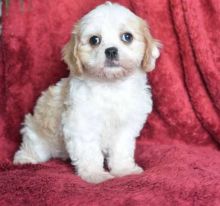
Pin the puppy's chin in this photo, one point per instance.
(114, 63)
(110, 72)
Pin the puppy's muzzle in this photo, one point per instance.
(111, 53)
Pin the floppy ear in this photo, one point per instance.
(152, 51)
(70, 54)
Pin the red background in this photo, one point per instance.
(178, 146)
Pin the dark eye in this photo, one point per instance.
(95, 40)
(127, 37)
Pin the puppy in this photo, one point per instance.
(99, 110)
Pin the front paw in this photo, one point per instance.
(119, 172)
(96, 177)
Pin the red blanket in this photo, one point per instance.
(178, 147)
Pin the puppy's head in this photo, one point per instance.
(110, 42)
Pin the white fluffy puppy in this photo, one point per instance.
(99, 110)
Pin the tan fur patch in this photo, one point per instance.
(70, 53)
(150, 43)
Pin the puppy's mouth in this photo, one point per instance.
(112, 63)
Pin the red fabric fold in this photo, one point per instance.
(178, 146)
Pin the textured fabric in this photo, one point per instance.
(178, 146)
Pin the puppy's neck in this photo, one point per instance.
(138, 73)
(136, 80)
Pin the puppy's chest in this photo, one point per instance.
(115, 105)
(111, 104)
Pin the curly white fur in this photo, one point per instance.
(97, 111)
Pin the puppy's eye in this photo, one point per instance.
(95, 40)
(127, 37)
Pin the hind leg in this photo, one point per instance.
(34, 149)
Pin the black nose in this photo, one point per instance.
(111, 53)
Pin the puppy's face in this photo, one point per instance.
(110, 42)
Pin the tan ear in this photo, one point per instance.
(70, 54)
(152, 47)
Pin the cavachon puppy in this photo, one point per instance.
(98, 111)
